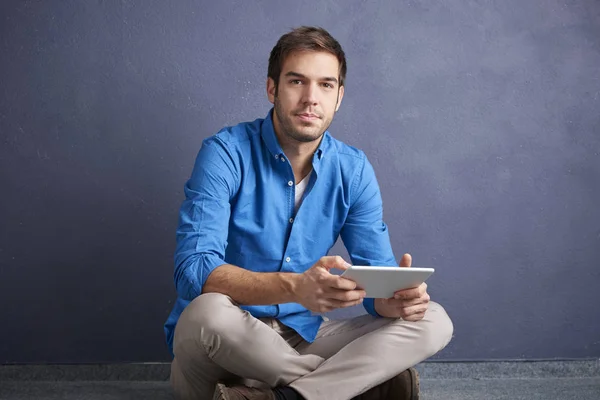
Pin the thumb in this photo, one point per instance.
(406, 260)
(331, 262)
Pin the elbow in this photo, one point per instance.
(188, 276)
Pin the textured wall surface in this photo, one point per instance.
(481, 118)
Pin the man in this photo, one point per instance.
(265, 203)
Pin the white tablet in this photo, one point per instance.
(383, 282)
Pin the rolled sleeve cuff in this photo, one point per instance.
(209, 264)
(369, 305)
(193, 274)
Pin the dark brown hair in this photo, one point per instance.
(305, 38)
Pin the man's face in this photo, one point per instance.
(308, 95)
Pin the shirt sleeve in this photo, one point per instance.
(204, 218)
(364, 233)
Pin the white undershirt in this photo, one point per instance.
(300, 188)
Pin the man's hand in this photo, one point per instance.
(408, 304)
(320, 291)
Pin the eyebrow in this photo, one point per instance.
(298, 75)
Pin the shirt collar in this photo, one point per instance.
(270, 139)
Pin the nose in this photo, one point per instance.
(310, 94)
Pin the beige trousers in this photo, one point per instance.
(215, 340)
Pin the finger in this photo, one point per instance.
(406, 260)
(419, 290)
(338, 282)
(330, 262)
(401, 304)
(413, 310)
(408, 294)
(330, 281)
(415, 302)
(343, 304)
(346, 295)
(415, 317)
(326, 305)
(412, 292)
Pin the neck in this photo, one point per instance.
(299, 154)
(300, 160)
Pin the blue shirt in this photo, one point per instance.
(239, 209)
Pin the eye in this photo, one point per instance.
(296, 82)
(327, 85)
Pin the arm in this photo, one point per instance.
(366, 237)
(316, 289)
(364, 233)
(252, 288)
(204, 218)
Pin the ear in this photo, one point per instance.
(340, 97)
(271, 89)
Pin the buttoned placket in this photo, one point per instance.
(317, 156)
(286, 261)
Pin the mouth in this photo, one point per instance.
(308, 117)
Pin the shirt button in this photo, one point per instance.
(290, 183)
(287, 259)
(282, 159)
(276, 157)
(291, 220)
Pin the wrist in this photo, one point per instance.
(289, 284)
(380, 307)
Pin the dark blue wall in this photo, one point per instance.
(482, 120)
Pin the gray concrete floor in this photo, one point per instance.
(511, 388)
(587, 388)
(548, 380)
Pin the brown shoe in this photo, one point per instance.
(223, 392)
(401, 387)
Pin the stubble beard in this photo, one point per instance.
(289, 130)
